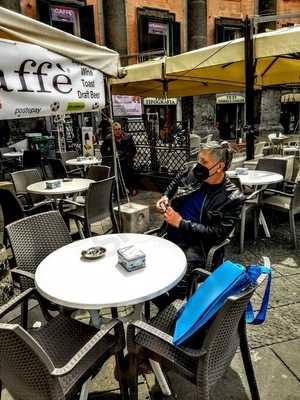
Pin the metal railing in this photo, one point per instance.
(163, 151)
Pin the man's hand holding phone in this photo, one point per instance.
(162, 204)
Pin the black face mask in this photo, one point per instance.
(201, 172)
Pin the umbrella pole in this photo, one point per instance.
(249, 78)
(115, 154)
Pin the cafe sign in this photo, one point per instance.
(230, 99)
(35, 82)
(160, 101)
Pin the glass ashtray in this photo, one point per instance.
(93, 253)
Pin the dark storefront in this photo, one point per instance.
(290, 113)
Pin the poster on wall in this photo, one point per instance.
(35, 82)
(87, 141)
(126, 106)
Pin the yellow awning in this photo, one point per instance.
(218, 69)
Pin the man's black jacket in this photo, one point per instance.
(218, 216)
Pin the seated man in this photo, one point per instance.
(203, 213)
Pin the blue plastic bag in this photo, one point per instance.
(228, 279)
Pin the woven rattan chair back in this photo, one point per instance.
(98, 205)
(222, 341)
(207, 354)
(272, 165)
(23, 366)
(68, 155)
(22, 179)
(57, 167)
(34, 238)
(98, 172)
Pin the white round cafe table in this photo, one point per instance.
(256, 177)
(84, 162)
(75, 185)
(13, 154)
(65, 278)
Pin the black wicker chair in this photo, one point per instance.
(205, 359)
(32, 239)
(98, 172)
(55, 361)
(24, 178)
(13, 210)
(98, 206)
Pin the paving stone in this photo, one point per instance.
(275, 382)
(276, 329)
(291, 314)
(289, 354)
(283, 291)
(247, 258)
(296, 280)
(270, 248)
(105, 379)
(286, 265)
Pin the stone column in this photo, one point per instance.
(203, 106)
(197, 24)
(114, 13)
(270, 112)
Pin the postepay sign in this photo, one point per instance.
(36, 82)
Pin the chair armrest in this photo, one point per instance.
(163, 337)
(20, 272)
(71, 364)
(11, 304)
(73, 171)
(22, 194)
(211, 253)
(74, 203)
(281, 193)
(255, 193)
(287, 182)
(195, 275)
(159, 231)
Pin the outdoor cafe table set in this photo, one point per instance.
(71, 278)
(98, 278)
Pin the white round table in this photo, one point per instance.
(68, 280)
(75, 185)
(13, 154)
(84, 162)
(256, 177)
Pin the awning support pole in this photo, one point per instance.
(115, 153)
(249, 78)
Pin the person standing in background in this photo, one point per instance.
(126, 151)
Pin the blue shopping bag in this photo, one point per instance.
(254, 272)
(226, 280)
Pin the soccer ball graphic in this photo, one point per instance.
(95, 106)
(54, 106)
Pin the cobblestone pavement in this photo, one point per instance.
(275, 344)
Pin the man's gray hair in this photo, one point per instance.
(220, 152)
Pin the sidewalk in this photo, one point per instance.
(275, 344)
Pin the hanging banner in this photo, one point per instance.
(35, 82)
(126, 106)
